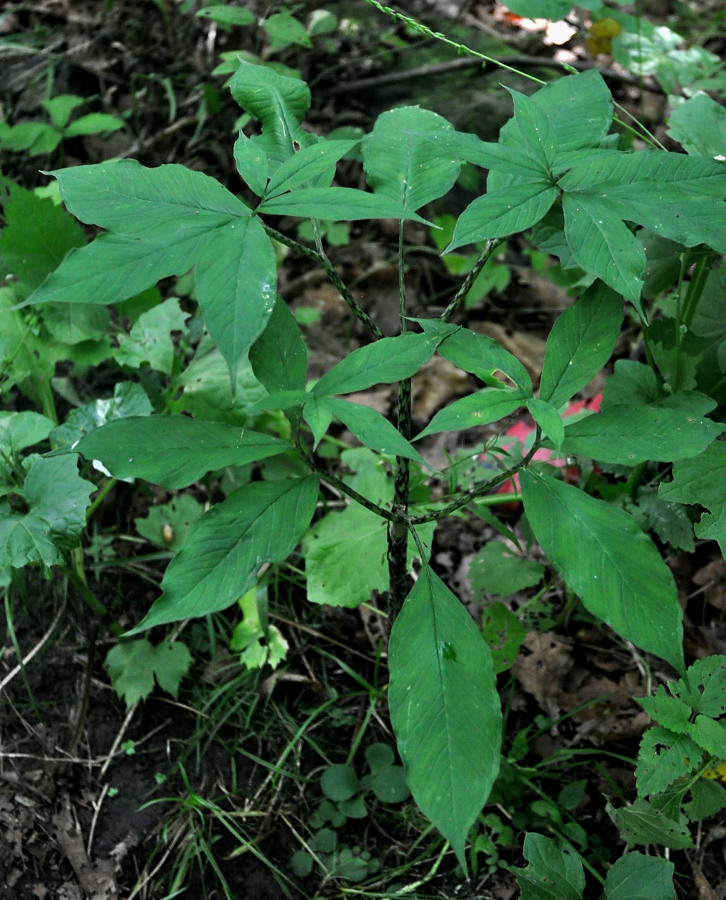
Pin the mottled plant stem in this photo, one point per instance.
(481, 261)
(325, 264)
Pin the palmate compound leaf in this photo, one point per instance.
(174, 451)
(694, 482)
(609, 562)
(260, 522)
(408, 158)
(445, 708)
(162, 222)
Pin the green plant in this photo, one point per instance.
(40, 138)
(587, 199)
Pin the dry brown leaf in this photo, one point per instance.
(542, 667)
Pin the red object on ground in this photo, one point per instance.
(525, 427)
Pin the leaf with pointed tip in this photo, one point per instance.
(601, 243)
(629, 435)
(260, 522)
(580, 343)
(174, 451)
(236, 281)
(548, 419)
(278, 356)
(450, 746)
(638, 877)
(480, 408)
(408, 159)
(504, 212)
(478, 354)
(308, 165)
(608, 561)
(251, 163)
(382, 362)
(372, 429)
(336, 204)
(279, 103)
(536, 127)
(128, 198)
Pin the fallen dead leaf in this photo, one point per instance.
(541, 669)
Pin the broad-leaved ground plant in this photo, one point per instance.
(559, 172)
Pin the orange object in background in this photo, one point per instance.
(600, 38)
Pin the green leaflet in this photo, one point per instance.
(128, 198)
(372, 429)
(580, 343)
(607, 560)
(628, 435)
(694, 482)
(336, 204)
(57, 499)
(236, 281)
(503, 212)
(601, 243)
(279, 357)
(346, 557)
(408, 159)
(548, 419)
(260, 522)
(382, 362)
(480, 408)
(279, 103)
(174, 451)
(664, 756)
(643, 823)
(450, 747)
(478, 354)
(316, 162)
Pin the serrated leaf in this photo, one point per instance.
(631, 383)
(603, 245)
(130, 666)
(278, 357)
(504, 633)
(553, 873)
(236, 282)
(709, 734)
(56, 493)
(449, 746)
(20, 430)
(480, 408)
(382, 362)
(580, 343)
(171, 664)
(628, 435)
(707, 798)
(25, 539)
(260, 522)
(642, 823)
(663, 758)
(129, 399)
(372, 429)
(608, 561)
(174, 451)
(638, 877)
(408, 159)
(694, 482)
(503, 212)
(707, 682)
(478, 354)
